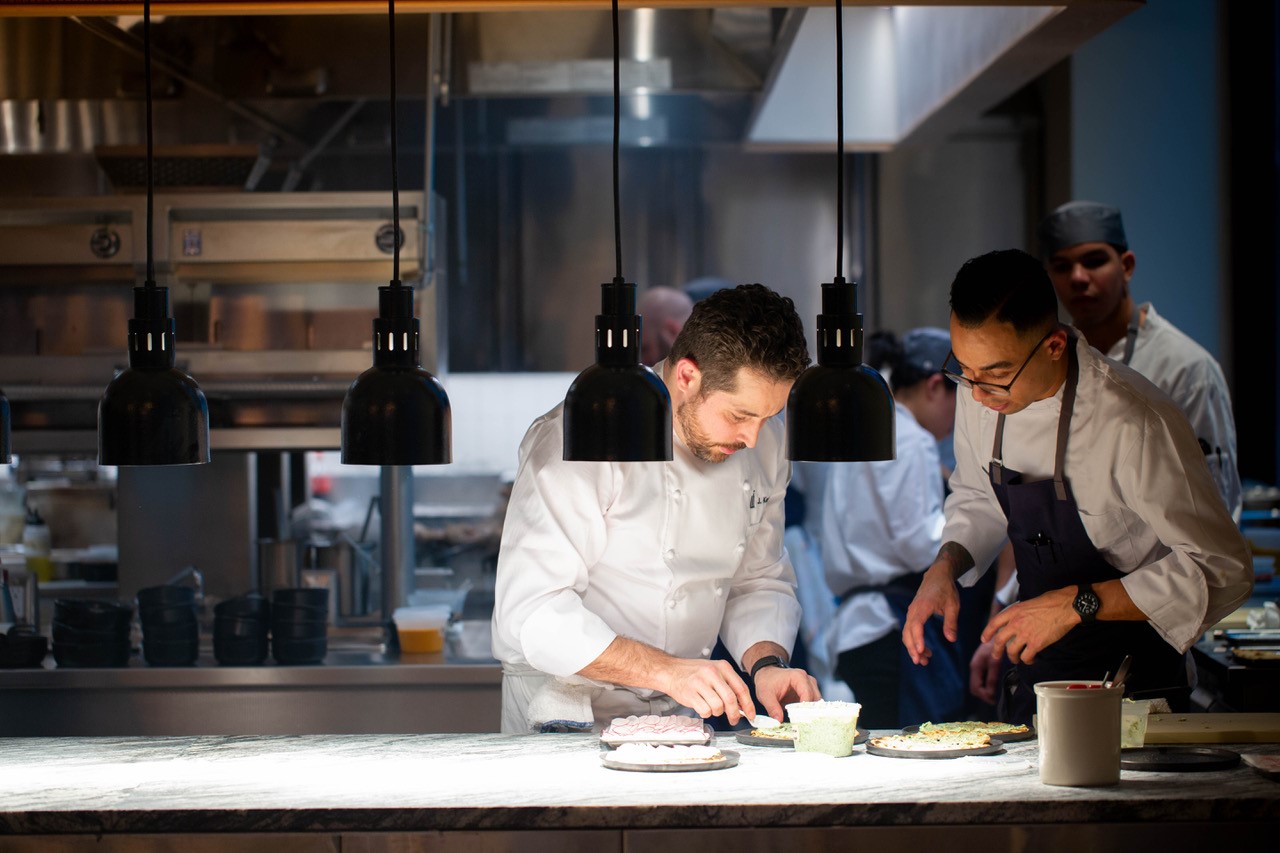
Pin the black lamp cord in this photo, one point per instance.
(395, 175)
(146, 52)
(617, 88)
(839, 140)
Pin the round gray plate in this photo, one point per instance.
(787, 743)
(990, 749)
(611, 761)
(1004, 737)
(1178, 759)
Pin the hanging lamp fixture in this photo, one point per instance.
(152, 413)
(396, 413)
(840, 410)
(617, 410)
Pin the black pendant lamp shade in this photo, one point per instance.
(396, 413)
(840, 410)
(152, 413)
(617, 410)
(5, 419)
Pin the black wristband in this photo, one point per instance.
(768, 660)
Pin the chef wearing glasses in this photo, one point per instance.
(1122, 543)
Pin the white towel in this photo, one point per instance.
(562, 705)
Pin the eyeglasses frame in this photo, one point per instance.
(995, 389)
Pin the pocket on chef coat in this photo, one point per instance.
(1110, 534)
(757, 503)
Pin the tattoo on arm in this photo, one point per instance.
(956, 554)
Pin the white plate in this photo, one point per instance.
(730, 759)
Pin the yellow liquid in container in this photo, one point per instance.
(418, 641)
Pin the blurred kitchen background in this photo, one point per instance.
(964, 125)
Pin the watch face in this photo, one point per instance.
(1087, 604)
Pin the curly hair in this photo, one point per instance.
(1010, 286)
(747, 326)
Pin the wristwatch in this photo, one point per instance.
(768, 660)
(1086, 603)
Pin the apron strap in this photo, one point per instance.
(1064, 427)
(1131, 334)
(1064, 419)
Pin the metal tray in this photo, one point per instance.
(1178, 759)
(787, 743)
(610, 760)
(990, 749)
(1004, 737)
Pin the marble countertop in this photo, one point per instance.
(331, 783)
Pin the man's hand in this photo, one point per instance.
(984, 674)
(1023, 630)
(776, 687)
(937, 596)
(709, 687)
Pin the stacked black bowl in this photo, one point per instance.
(91, 633)
(240, 630)
(170, 628)
(299, 625)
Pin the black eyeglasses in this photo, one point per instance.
(994, 389)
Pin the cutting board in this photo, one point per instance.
(1213, 728)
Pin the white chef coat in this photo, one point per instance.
(881, 521)
(671, 554)
(1146, 497)
(1189, 374)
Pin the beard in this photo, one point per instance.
(698, 442)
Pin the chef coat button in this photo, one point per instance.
(742, 546)
(676, 494)
(671, 554)
(671, 604)
(746, 487)
(719, 590)
(706, 653)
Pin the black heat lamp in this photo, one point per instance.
(840, 410)
(396, 413)
(5, 420)
(617, 410)
(151, 413)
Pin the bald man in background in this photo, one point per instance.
(664, 310)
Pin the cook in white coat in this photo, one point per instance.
(1091, 266)
(1094, 476)
(882, 526)
(615, 579)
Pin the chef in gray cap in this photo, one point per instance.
(881, 527)
(1089, 262)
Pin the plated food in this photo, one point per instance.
(784, 731)
(934, 744)
(654, 757)
(653, 728)
(1007, 732)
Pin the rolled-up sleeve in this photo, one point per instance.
(1208, 571)
(554, 530)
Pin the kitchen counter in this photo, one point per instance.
(452, 786)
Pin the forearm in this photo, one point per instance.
(952, 560)
(760, 650)
(1115, 605)
(629, 663)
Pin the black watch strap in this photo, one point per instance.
(768, 660)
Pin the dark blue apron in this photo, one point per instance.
(1052, 550)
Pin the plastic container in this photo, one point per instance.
(37, 546)
(1078, 723)
(1133, 722)
(421, 629)
(829, 728)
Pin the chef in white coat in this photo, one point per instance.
(1091, 267)
(1087, 254)
(881, 527)
(615, 579)
(1122, 543)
